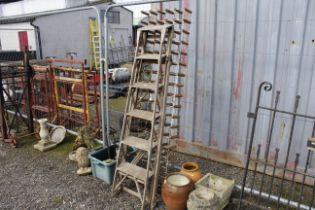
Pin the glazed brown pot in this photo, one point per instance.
(192, 170)
(175, 191)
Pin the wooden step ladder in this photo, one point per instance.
(146, 102)
(181, 23)
(94, 45)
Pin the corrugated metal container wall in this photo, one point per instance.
(234, 46)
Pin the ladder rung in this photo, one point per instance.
(175, 84)
(133, 171)
(177, 74)
(187, 21)
(174, 106)
(145, 13)
(188, 10)
(174, 52)
(176, 95)
(177, 21)
(150, 41)
(176, 32)
(139, 143)
(153, 12)
(149, 56)
(141, 114)
(155, 29)
(175, 116)
(145, 86)
(186, 32)
(183, 53)
(169, 11)
(179, 11)
(168, 21)
(152, 22)
(132, 192)
(174, 137)
(160, 22)
(183, 64)
(184, 42)
(161, 12)
(144, 22)
(174, 126)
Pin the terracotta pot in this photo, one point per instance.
(175, 191)
(192, 170)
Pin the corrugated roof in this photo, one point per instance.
(32, 16)
(17, 20)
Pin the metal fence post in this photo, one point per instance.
(29, 74)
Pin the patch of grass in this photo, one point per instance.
(117, 104)
(57, 200)
(65, 146)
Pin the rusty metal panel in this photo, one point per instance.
(235, 45)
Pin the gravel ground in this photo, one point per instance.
(30, 179)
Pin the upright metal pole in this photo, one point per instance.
(3, 126)
(29, 74)
(296, 105)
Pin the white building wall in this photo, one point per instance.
(9, 37)
(69, 32)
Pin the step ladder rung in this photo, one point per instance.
(132, 170)
(155, 27)
(145, 86)
(141, 114)
(139, 143)
(148, 56)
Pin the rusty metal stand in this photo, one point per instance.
(28, 78)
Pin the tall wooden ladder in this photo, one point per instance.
(153, 50)
(94, 45)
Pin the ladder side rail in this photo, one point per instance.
(159, 74)
(163, 117)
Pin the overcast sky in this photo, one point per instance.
(136, 9)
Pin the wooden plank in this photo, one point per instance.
(139, 143)
(148, 56)
(141, 114)
(145, 86)
(134, 171)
